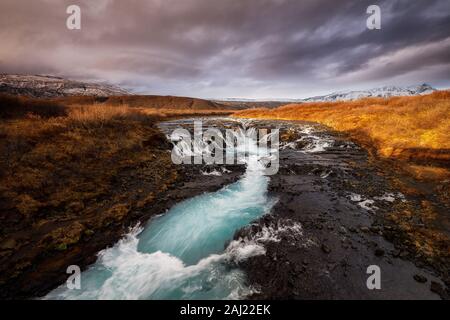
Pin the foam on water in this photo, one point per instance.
(123, 272)
(315, 142)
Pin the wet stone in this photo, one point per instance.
(419, 278)
(325, 248)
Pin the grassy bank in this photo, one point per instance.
(416, 129)
(411, 137)
(72, 178)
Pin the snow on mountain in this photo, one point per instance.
(38, 86)
(383, 92)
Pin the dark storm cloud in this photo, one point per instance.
(212, 48)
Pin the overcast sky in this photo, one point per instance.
(230, 48)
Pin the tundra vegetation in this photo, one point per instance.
(75, 170)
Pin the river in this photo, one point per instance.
(186, 253)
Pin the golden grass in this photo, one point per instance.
(399, 127)
(85, 144)
(46, 163)
(70, 170)
(99, 115)
(63, 178)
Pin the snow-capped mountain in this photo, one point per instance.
(383, 92)
(38, 86)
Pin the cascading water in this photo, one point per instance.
(180, 255)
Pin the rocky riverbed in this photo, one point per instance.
(338, 212)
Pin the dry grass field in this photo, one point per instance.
(57, 156)
(415, 129)
(69, 172)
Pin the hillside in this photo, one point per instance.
(350, 95)
(70, 92)
(37, 86)
(150, 101)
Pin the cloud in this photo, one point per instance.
(403, 62)
(207, 48)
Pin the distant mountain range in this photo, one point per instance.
(85, 93)
(38, 86)
(383, 92)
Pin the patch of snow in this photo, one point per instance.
(41, 86)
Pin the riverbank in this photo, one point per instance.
(338, 212)
(184, 252)
(407, 143)
(414, 130)
(74, 179)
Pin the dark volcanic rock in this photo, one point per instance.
(325, 248)
(437, 288)
(342, 231)
(419, 278)
(379, 252)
